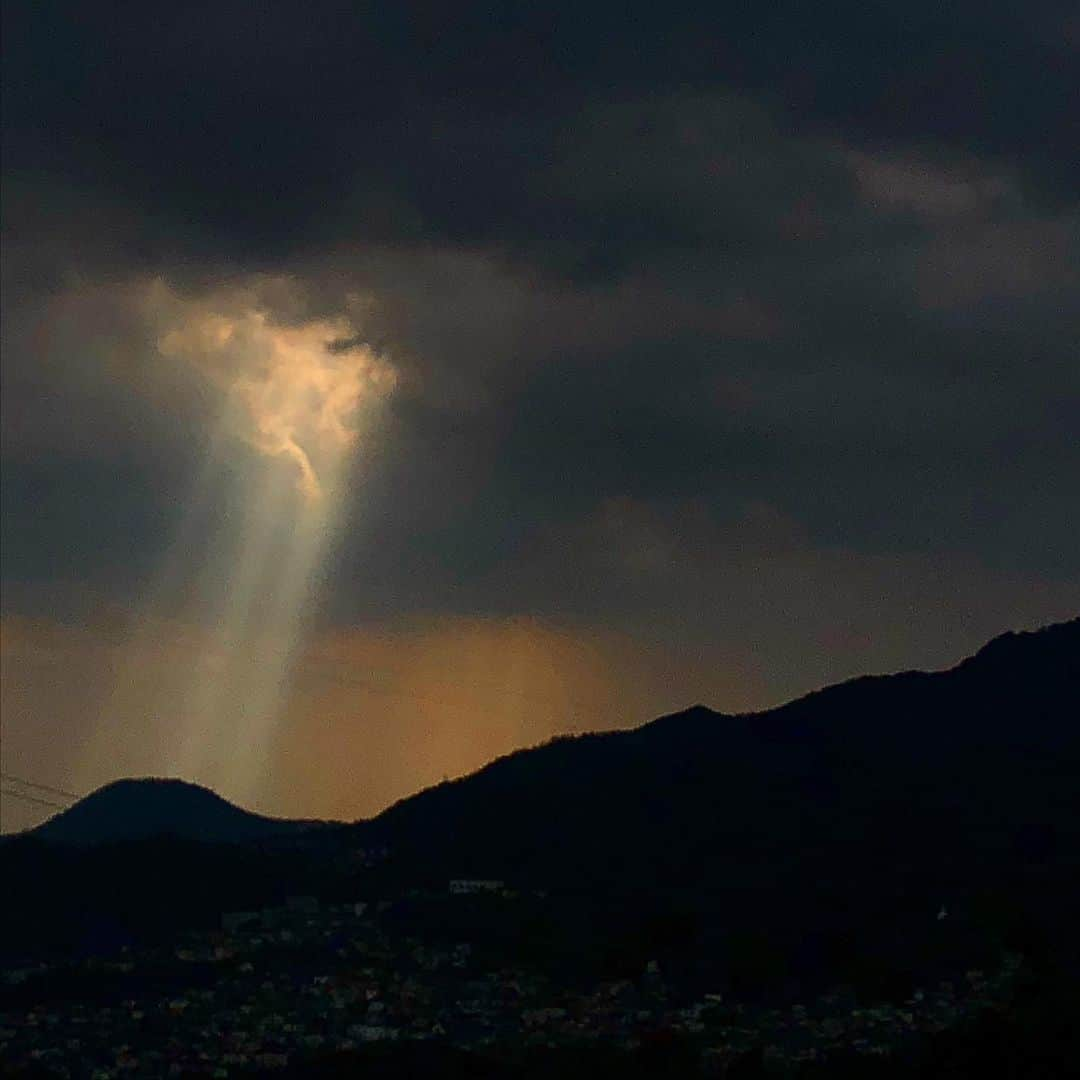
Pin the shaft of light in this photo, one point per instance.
(291, 409)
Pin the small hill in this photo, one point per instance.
(137, 809)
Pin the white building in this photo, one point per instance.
(473, 886)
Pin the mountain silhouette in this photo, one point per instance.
(883, 797)
(137, 809)
(826, 831)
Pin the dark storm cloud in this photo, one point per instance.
(284, 125)
(733, 351)
(824, 258)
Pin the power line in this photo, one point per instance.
(39, 787)
(33, 799)
(575, 708)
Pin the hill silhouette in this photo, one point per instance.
(824, 835)
(830, 831)
(992, 744)
(137, 809)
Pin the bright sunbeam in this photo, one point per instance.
(300, 394)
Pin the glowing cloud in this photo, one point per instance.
(291, 393)
(302, 392)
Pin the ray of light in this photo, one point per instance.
(263, 515)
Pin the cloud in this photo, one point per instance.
(406, 128)
(245, 349)
(292, 391)
(751, 580)
(1011, 265)
(899, 183)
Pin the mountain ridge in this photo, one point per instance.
(830, 827)
(911, 752)
(797, 737)
(1066, 633)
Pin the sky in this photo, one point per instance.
(387, 387)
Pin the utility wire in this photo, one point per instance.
(575, 708)
(39, 787)
(33, 799)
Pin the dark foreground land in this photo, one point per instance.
(387, 990)
(878, 880)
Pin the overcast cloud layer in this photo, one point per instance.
(747, 335)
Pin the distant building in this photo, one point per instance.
(473, 886)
